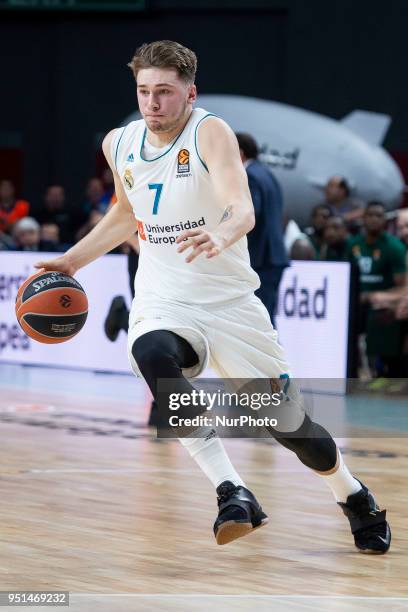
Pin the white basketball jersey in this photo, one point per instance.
(170, 192)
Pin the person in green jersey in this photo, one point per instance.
(382, 264)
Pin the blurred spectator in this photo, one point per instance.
(94, 217)
(108, 184)
(397, 300)
(401, 305)
(402, 225)
(318, 219)
(292, 232)
(265, 241)
(11, 209)
(401, 313)
(336, 245)
(54, 212)
(27, 237)
(382, 265)
(338, 199)
(96, 197)
(50, 234)
(6, 242)
(302, 249)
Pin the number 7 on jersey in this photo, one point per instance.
(158, 187)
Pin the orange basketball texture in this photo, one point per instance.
(51, 307)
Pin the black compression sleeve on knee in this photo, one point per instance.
(162, 354)
(313, 445)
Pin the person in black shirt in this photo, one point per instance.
(265, 241)
(336, 242)
(315, 233)
(55, 211)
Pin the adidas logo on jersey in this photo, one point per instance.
(130, 157)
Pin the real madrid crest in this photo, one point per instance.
(128, 179)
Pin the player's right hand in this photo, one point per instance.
(59, 264)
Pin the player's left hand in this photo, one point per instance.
(200, 241)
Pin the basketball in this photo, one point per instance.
(51, 307)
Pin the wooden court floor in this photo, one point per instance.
(92, 503)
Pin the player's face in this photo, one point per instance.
(164, 98)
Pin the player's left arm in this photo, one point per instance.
(219, 150)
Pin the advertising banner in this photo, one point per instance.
(312, 317)
(90, 349)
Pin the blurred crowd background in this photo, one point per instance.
(73, 85)
(341, 228)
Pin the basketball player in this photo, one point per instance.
(179, 172)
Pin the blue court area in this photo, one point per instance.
(71, 382)
(384, 414)
(353, 414)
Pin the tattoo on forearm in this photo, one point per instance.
(227, 214)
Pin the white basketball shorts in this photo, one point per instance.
(236, 339)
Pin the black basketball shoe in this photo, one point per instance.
(154, 415)
(372, 534)
(117, 318)
(239, 513)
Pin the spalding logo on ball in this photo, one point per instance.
(51, 307)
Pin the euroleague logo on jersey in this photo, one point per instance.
(183, 161)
